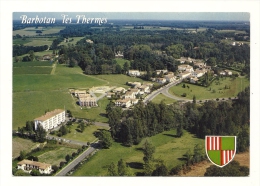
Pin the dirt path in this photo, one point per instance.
(200, 168)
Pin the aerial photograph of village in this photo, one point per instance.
(121, 95)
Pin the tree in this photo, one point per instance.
(199, 153)
(31, 55)
(82, 126)
(21, 173)
(106, 139)
(67, 158)
(112, 170)
(55, 168)
(232, 169)
(179, 132)
(122, 169)
(194, 99)
(126, 67)
(160, 170)
(22, 155)
(148, 150)
(40, 134)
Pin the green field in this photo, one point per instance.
(200, 92)
(31, 31)
(235, 31)
(74, 42)
(32, 64)
(121, 61)
(161, 97)
(39, 42)
(33, 94)
(56, 155)
(86, 136)
(168, 148)
(32, 70)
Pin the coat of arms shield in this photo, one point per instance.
(220, 150)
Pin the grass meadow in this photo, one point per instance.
(168, 148)
(33, 64)
(33, 94)
(121, 61)
(200, 92)
(32, 70)
(161, 97)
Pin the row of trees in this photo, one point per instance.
(213, 118)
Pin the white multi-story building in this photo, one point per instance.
(134, 73)
(50, 120)
(27, 166)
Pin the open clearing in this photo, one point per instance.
(161, 97)
(168, 148)
(72, 41)
(200, 92)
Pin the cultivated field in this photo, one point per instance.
(31, 31)
(200, 92)
(168, 148)
(32, 70)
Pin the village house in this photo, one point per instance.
(28, 166)
(199, 64)
(89, 41)
(184, 75)
(79, 93)
(187, 68)
(169, 77)
(134, 84)
(50, 120)
(110, 94)
(119, 54)
(144, 89)
(119, 90)
(228, 72)
(87, 101)
(198, 73)
(131, 93)
(159, 71)
(194, 79)
(134, 73)
(123, 103)
(46, 57)
(134, 101)
(161, 80)
(182, 60)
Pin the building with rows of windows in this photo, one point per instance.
(50, 120)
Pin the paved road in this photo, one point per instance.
(77, 160)
(163, 90)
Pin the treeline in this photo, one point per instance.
(19, 50)
(213, 118)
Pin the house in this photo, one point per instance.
(159, 71)
(131, 93)
(134, 84)
(77, 93)
(184, 75)
(50, 120)
(87, 101)
(123, 103)
(198, 73)
(134, 101)
(169, 77)
(194, 80)
(199, 64)
(182, 60)
(28, 166)
(119, 54)
(187, 68)
(119, 90)
(144, 89)
(228, 72)
(134, 73)
(89, 41)
(46, 57)
(161, 80)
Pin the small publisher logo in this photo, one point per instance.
(220, 150)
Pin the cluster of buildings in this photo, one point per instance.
(129, 97)
(85, 100)
(50, 119)
(28, 166)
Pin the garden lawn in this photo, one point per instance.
(236, 86)
(168, 148)
(56, 155)
(121, 62)
(85, 136)
(161, 97)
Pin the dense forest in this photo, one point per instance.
(212, 118)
